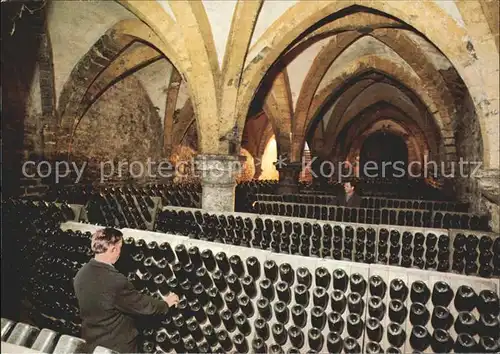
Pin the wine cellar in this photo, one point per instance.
(252, 282)
(250, 176)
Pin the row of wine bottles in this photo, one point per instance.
(372, 187)
(120, 210)
(227, 276)
(221, 342)
(387, 188)
(22, 211)
(398, 292)
(232, 300)
(220, 281)
(384, 216)
(187, 195)
(368, 245)
(367, 202)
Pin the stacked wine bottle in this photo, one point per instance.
(298, 198)
(53, 258)
(417, 189)
(186, 194)
(422, 312)
(268, 302)
(476, 254)
(431, 249)
(416, 250)
(367, 202)
(116, 208)
(384, 216)
(278, 303)
(253, 304)
(22, 221)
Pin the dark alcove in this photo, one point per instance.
(379, 154)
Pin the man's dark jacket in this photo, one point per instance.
(107, 303)
(353, 202)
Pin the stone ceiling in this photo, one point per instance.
(205, 62)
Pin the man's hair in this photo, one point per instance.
(104, 238)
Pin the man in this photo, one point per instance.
(107, 300)
(350, 199)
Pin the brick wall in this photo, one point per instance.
(20, 43)
(468, 144)
(122, 125)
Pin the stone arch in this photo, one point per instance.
(189, 136)
(364, 65)
(100, 56)
(280, 125)
(371, 116)
(163, 29)
(416, 152)
(357, 150)
(379, 92)
(197, 59)
(93, 64)
(316, 141)
(248, 169)
(319, 67)
(434, 83)
(136, 57)
(266, 136)
(197, 55)
(397, 40)
(185, 119)
(240, 35)
(342, 33)
(419, 15)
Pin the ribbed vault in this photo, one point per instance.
(358, 68)
(408, 57)
(121, 51)
(379, 94)
(223, 74)
(414, 149)
(370, 119)
(322, 72)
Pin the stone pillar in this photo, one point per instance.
(218, 178)
(289, 177)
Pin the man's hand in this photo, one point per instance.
(171, 299)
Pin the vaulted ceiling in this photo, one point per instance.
(315, 69)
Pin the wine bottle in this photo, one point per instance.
(419, 339)
(315, 339)
(261, 328)
(279, 333)
(296, 337)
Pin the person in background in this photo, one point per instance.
(350, 198)
(108, 300)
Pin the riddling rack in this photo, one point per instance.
(354, 280)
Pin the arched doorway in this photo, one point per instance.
(268, 159)
(379, 154)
